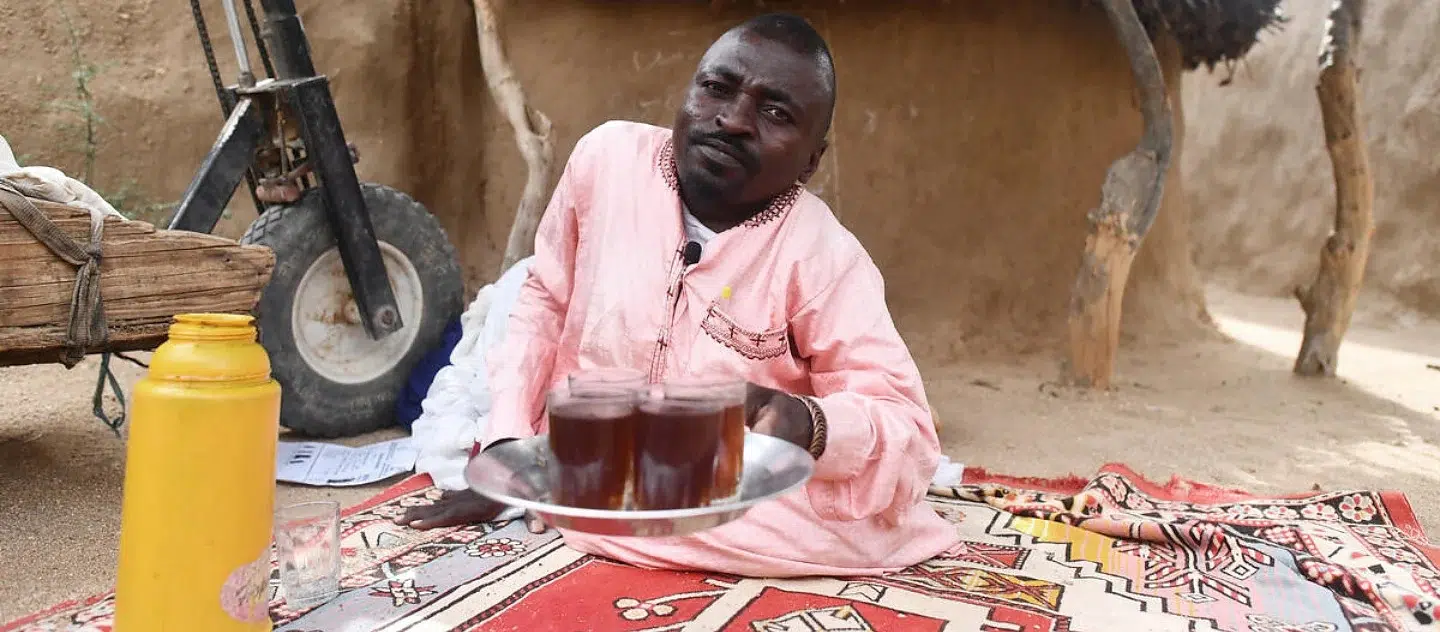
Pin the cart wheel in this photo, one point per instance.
(337, 381)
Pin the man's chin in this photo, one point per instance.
(702, 182)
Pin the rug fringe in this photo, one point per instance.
(1176, 489)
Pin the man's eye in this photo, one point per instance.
(714, 87)
(778, 114)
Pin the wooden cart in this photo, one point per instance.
(145, 277)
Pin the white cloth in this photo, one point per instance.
(8, 163)
(48, 183)
(456, 408)
(948, 473)
(696, 231)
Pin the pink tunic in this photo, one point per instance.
(806, 314)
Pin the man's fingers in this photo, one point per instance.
(452, 508)
(443, 518)
(765, 421)
(409, 516)
(756, 398)
(462, 507)
(534, 523)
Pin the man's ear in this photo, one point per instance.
(814, 165)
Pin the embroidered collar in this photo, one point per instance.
(665, 162)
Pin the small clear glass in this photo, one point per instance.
(676, 442)
(307, 543)
(730, 455)
(592, 437)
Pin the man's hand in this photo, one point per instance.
(454, 508)
(461, 507)
(458, 507)
(777, 414)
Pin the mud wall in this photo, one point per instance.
(1260, 179)
(970, 139)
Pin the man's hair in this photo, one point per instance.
(797, 35)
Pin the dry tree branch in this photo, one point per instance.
(1129, 202)
(533, 134)
(1329, 302)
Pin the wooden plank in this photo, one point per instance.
(52, 270)
(75, 222)
(127, 292)
(147, 276)
(44, 345)
(18, 300)
(234, 300)
(213, 297)
(120, 247)
(13, 232)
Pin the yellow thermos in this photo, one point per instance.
(199, 500)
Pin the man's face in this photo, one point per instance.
(753, 122)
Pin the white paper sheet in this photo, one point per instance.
(331, 465)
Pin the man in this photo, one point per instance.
(776, 290)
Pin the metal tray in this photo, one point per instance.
(514, 473)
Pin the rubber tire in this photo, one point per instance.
(298, 234)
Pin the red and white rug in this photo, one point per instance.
(1110, 553)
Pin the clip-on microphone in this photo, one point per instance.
(691, 254)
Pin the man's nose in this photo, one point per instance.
(737, 117)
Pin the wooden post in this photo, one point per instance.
(532, 134)
(1129, 202)
(1329, 302)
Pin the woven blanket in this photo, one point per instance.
(1110, 553)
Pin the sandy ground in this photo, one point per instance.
(1223, 411)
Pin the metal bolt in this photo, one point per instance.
(386, 316)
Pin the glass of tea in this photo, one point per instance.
(676, 440)
(730, 454)
(592, 437)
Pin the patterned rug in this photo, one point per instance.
(1110, 553)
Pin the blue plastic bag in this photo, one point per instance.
(407, 405)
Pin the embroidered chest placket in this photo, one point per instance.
(665, 163)
(658, 360)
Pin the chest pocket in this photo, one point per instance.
(752, 343)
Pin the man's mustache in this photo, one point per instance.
(729, 144)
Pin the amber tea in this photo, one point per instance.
(675, 447)
(592, 437)
(730, 455)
